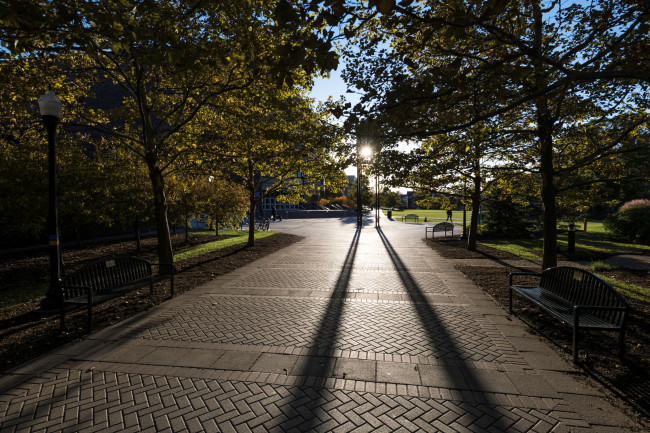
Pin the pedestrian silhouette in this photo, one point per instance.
(448, 216)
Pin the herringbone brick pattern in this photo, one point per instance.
(452, 331)
(94, 400)
(326, 280)
(322, 259)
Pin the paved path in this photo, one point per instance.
(349, 330)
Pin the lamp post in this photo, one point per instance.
(464, 235)
(359, 220)
(50, 108)
(377, 212)
(365, 153)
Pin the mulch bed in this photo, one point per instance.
(26, 332)
(628, 381)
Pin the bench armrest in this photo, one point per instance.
(534, 274)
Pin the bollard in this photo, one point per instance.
(572, 239)
(585, 221)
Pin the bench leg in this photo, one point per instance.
(90, 311)
(62, 313)
(576, 322)
(621, 344)
(510, 301)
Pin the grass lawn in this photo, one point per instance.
(238, 237)
(430, 214)
(591, 245)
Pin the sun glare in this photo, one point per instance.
(366, 152)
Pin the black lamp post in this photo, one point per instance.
(50, 108)
(365, 153)
(377, 212)
(359, 219)
(464, 235)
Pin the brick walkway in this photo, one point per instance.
(348, 330)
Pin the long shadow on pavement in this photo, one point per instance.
(326, 337)
(462, 378)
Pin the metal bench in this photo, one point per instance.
(578, 298)
(440, 227)
(413, 217)
(106, 279)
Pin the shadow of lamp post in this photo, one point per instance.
(50, 108)
(377, 208)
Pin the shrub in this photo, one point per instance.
(506, 216)
(631, 223)
(344, 201)
(634, 204)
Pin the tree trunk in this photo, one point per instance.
(545, 135)
(138, 240)
(165, 254)
(253, 203)
(77, 236)
(187, 229)
(251, 221)
(476, 205)
(216, 227)
(549, 193)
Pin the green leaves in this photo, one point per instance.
(383, 6)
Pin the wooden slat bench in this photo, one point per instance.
(412, 217)
(440, 227)
(106, 279)
(578, 298)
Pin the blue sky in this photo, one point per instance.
(333, 86)
(325, 87)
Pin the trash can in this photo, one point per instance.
(390, 214)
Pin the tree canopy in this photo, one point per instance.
(553, 76)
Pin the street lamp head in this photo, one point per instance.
(366, 152)
(49, 104)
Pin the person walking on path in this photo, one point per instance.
(448, 216)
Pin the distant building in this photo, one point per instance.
(408, 199)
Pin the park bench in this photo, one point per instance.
(411, 217)
(106, 279)
(578, 298)
(440, 227)
(262, 224)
